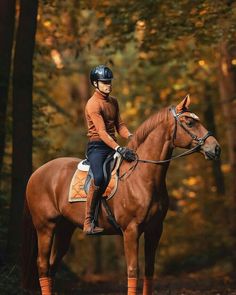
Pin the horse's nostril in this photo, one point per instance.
(217, 150)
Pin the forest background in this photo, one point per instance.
(159, 51)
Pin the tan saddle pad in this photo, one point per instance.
(77, 192)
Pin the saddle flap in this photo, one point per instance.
(108, 169)
(81, 180)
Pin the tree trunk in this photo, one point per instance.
(227, 86)
(7, 21)
(22, 119)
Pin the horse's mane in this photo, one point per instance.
(147, 127)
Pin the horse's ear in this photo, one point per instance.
(184, 104)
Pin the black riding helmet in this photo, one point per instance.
(100, 73)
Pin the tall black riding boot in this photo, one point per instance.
(92, 200)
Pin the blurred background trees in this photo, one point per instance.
(159, 51)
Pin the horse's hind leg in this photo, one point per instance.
(45, 238)
(151, 240)
(61, 242)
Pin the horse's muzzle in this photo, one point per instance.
(213, 154)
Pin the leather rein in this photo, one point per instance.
(200, 141)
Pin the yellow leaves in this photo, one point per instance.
(191, 194)
(192, 181)
(125, 90)
(130, 110)
(182, 203)
(201, 62)
(47, 109)
(143, 55)
(140, 24)
(56, 57)
(177, 193)
(101, 42)
(140, 30)
(202, 12)
(224, 68)
(164, 93)
(178, 85)
(226, 168)
(186, 194)
(47, 24)
(233, 62)
(193, 11)
(199, 24)
(181, 193)
(108, 21)
(49, 41)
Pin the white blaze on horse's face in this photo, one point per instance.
(195, 117)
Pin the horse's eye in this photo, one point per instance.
(190, 123)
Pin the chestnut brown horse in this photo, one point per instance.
(139, 205)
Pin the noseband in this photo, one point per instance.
(200, 141)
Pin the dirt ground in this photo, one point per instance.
(170, 285)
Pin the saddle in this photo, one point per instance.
(83, 175)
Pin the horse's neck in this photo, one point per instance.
(156, 147)
(145, 183)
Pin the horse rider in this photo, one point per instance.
(103, 118)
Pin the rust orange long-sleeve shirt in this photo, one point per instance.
(103, 118)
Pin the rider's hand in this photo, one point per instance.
(128, 154)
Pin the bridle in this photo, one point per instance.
(200, 141)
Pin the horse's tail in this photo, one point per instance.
(29, 252)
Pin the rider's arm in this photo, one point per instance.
(95, 114)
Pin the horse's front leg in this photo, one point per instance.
(131, 243)
(151, 240)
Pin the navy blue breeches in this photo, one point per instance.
(97, 152)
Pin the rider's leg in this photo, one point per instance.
(97, 154)
(92, 200)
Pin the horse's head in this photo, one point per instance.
(190, 133)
